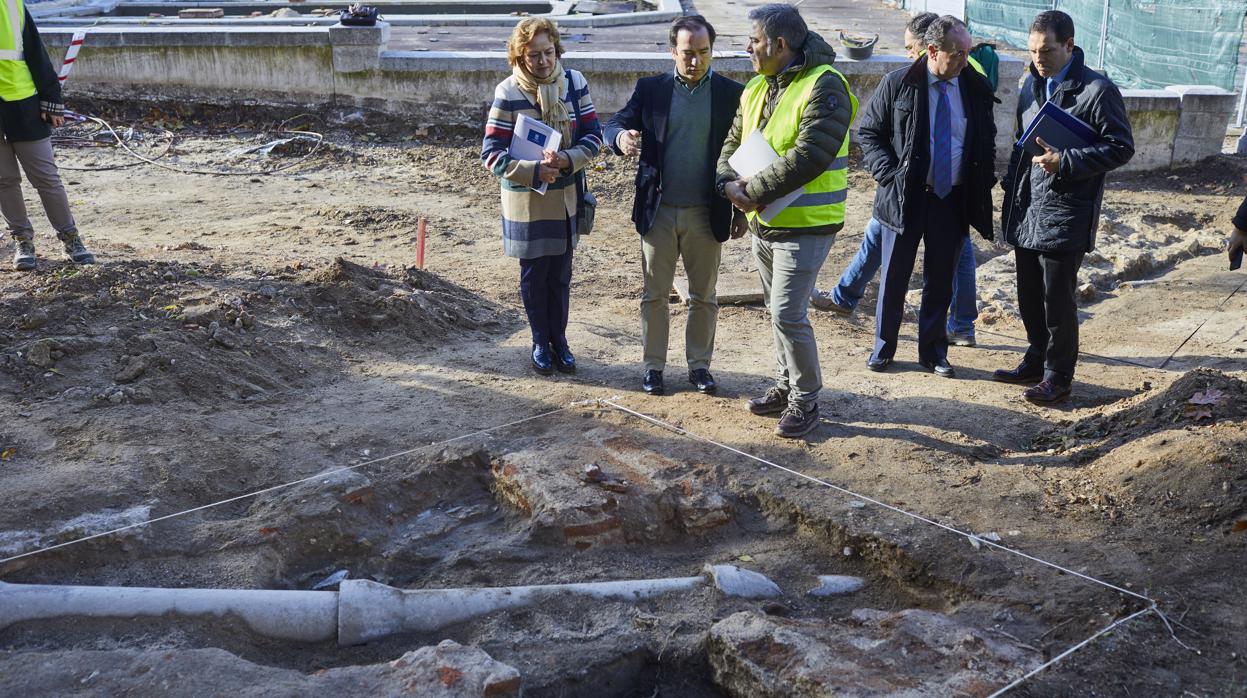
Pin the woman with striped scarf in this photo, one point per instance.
(540, 230)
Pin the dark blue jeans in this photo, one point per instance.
(965, 308)
(852, 286)
(545, 287)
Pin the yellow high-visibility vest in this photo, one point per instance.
(15, 80)
(975, 64)
(821, 202)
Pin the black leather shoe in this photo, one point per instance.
(563, 359)
(1047, 392)
(1024, 373)
(652, 384)
(940, 368)
(543, 359)
(702, 381)
(878, 365)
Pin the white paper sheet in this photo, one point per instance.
(753, 156)
(529, 141)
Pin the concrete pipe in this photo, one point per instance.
(302, 616)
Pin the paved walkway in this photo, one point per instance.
(827, 17)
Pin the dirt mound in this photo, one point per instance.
(1177, 456)
(143, 332)
(1199, 398)
(372, 218)
(417, 304)
(138, 332)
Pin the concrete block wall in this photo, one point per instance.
(1154, 116)
(318, 66)
(1201, 127)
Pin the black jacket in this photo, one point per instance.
(647, 111)
(895, 139)
(1059, 212)
(823, 127)
(21, 121)
(1240, 218)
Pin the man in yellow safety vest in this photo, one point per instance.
(30, 106)
(802, 107)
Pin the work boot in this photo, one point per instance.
(797, 421)
(772, 402)
(23, 254)
(75, 249)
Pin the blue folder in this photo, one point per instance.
(1059, 129)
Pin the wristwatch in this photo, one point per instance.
(721, 188)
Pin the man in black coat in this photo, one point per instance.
(677, 122)
(928, 138)
(1237, 244)
(1052, 203)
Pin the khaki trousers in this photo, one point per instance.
(789, 267)
(37, 161)
(680, 233)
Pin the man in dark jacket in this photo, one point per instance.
(30, 106)
(801, 106)
(1237, 244)
(677, 123)
(928, 138)
(1052, 203)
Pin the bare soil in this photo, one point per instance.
(245, 331)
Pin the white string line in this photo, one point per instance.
(1152, 604)
(274, 488)
(1121, 621)
(919, 517)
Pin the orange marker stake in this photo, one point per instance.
(421, 232)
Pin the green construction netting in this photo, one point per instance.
(1150, 43)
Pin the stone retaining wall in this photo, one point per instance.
(342, 66)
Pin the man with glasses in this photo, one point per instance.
(928, 138)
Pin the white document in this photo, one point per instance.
(753, 156)
(529, 141)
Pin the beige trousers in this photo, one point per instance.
(680, 233)
(35, 158)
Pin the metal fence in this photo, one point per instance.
(1140, 43)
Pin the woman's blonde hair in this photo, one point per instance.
(524, 33)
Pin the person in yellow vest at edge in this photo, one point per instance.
(30, 106)
(803, 107)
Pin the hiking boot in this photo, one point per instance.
(75, 249)
(773, 402)
(797, 421)
(23, 254)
